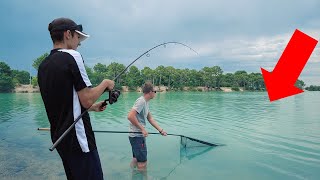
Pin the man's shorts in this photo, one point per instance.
(82, 166)
(139, 148)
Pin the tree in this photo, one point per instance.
(206, 76)
(300, 84)
(133, 78)
(195, 78)
(228, 80)
(22, 77)
(258, 82)
(216, 75)
(6, 82)
(148, 74)
(182, 78)
(212, 76)
(100, 68)
(94, 79)
(160, 74)
(98, 74)
(34, 81)
(114, 70)
(170, 71)
(5, 69)
(177, 78)
(38, 61)
(313, 88)
(241, 77)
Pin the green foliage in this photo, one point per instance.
(38, 61)
(241, 78)
(300, 84)
(228, 80)
(21, 77)
(255, 82)
(147, 74)
(113, 70)
(16, 82)
(133, 78)
(174, 79)
(212, 76)
(100, 68)
(5, 69)
(118, 86)
(313, 88)
(235, 89)
(34, 81)
(6, 80)
(94, 77)
(6, 83)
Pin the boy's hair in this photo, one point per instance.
(147, 87)
(56, 32)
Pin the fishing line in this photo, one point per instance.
(114, 94)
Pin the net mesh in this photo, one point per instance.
(188, 142)
(191, 148)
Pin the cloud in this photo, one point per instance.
(236, 35)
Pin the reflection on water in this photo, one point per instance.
(263, 140)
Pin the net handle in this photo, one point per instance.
(169, 134)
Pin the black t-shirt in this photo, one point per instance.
(60, 76)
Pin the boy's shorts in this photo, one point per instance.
(139, 148)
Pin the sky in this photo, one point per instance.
(235, 35)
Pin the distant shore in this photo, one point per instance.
(35, 89)
(26, 89)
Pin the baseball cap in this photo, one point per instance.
(64, 24)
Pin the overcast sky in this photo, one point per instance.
(235, 35)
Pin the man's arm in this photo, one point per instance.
(88, 96)
(81, 82)
(155, 124)
(132, 117)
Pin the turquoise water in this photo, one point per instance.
(263, 140)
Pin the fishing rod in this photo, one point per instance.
(126, 132)
(113, 94)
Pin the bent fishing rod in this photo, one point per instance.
(113, 95)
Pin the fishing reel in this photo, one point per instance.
(113, 97)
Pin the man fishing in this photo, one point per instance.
(66, 92)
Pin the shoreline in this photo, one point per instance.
(31, 89)
(26, 88)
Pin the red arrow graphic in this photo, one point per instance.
(280, 82)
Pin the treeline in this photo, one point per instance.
(174, 79)
(11, 78)
(313, 88)
(177, 79)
